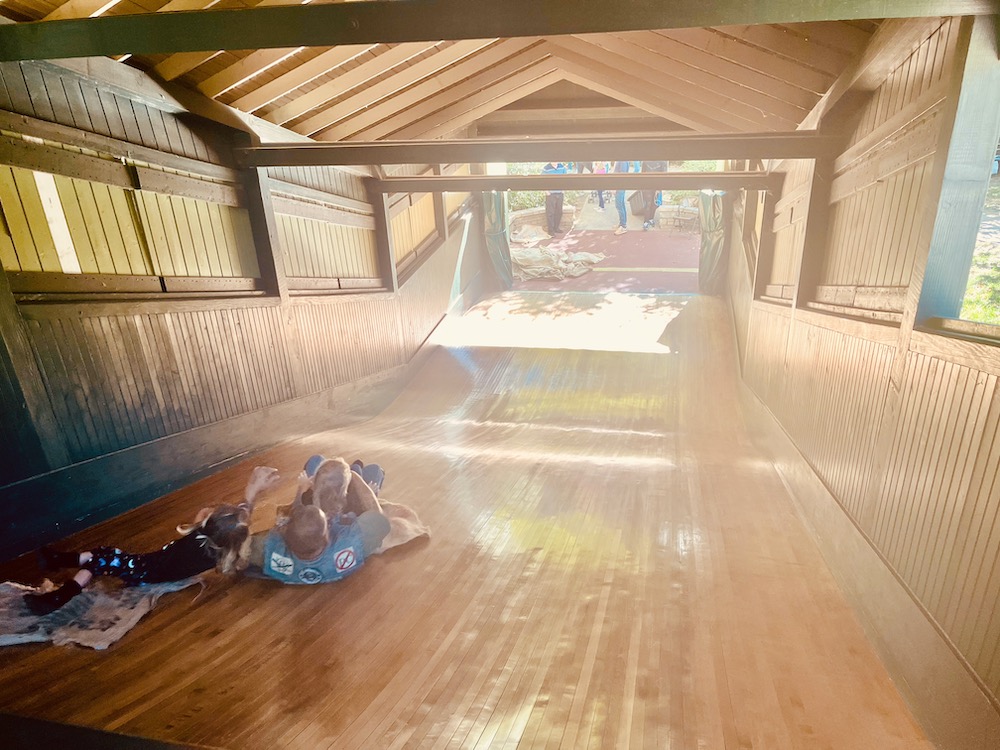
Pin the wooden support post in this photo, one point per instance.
(31, 430)
(271, 262)
(440, 210)
(765, 250)
(814, 244)
(265, 232)
(383, 236)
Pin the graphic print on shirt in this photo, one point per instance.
(345, 559)
(281, 564)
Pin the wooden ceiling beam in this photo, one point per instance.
(783, 42)
(184, 62)
(714, 42)
(386, 87)
(386, 21)
(469, 109)
(835, 34)
(783, 116)
(346, 81)
(890, 45)
(612, 181)
(638, 95)
(177, 65)
(244, 70)
(81, 9)
(799, 100)
(788, 145)
(656, 93)
(381, 119)
(299, 76)
(512, 114)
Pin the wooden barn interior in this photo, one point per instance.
(237, 233)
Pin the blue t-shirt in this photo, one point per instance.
(344, 555)
(559, 168)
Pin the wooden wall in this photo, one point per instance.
(902, 427)
(109, 399)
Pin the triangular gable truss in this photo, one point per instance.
(735, 78)
(391, 96)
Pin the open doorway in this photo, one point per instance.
(658, 252)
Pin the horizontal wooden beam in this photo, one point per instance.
(41, 157)
(613, 181)
(802, 144)
(373, 21)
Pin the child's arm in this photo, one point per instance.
(303, 493)
(261, 479)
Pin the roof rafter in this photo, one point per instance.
(379, 120)
(178, 64)
(634, 92)
(889, 46)
(330, 90)
(385, 87)
(723, 46)
(651, 87)
(763, 102)
(299, 76)
(496, 95)
(244, 70)
(740, 72)
(424, 20)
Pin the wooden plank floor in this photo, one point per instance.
(614, 564)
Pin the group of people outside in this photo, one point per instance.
(650, 198)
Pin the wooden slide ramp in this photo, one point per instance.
(614, 564)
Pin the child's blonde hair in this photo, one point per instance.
(226, 534)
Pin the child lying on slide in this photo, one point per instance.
(334, 523)
(218, 538)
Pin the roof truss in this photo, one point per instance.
(386, 21)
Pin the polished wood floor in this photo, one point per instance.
(614, 564)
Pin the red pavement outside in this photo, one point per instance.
(642, 256)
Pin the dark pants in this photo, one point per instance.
(553, 211)
(648, 204)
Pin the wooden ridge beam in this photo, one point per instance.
(613, 181)
(426, 21)
(800, 144)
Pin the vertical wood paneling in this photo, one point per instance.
(940, 503)
(319, 249)
(915, 75)
(789, 225)
(189, 237)
(122, 380)
(828, 390)
(413, 225)
(336, 347)
(937, 502)
(878, 196)
(325, 179)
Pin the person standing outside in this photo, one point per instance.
(553, 200)
(600, 168)
(621, 166)
(649, 196)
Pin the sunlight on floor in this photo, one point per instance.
(545, 320)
